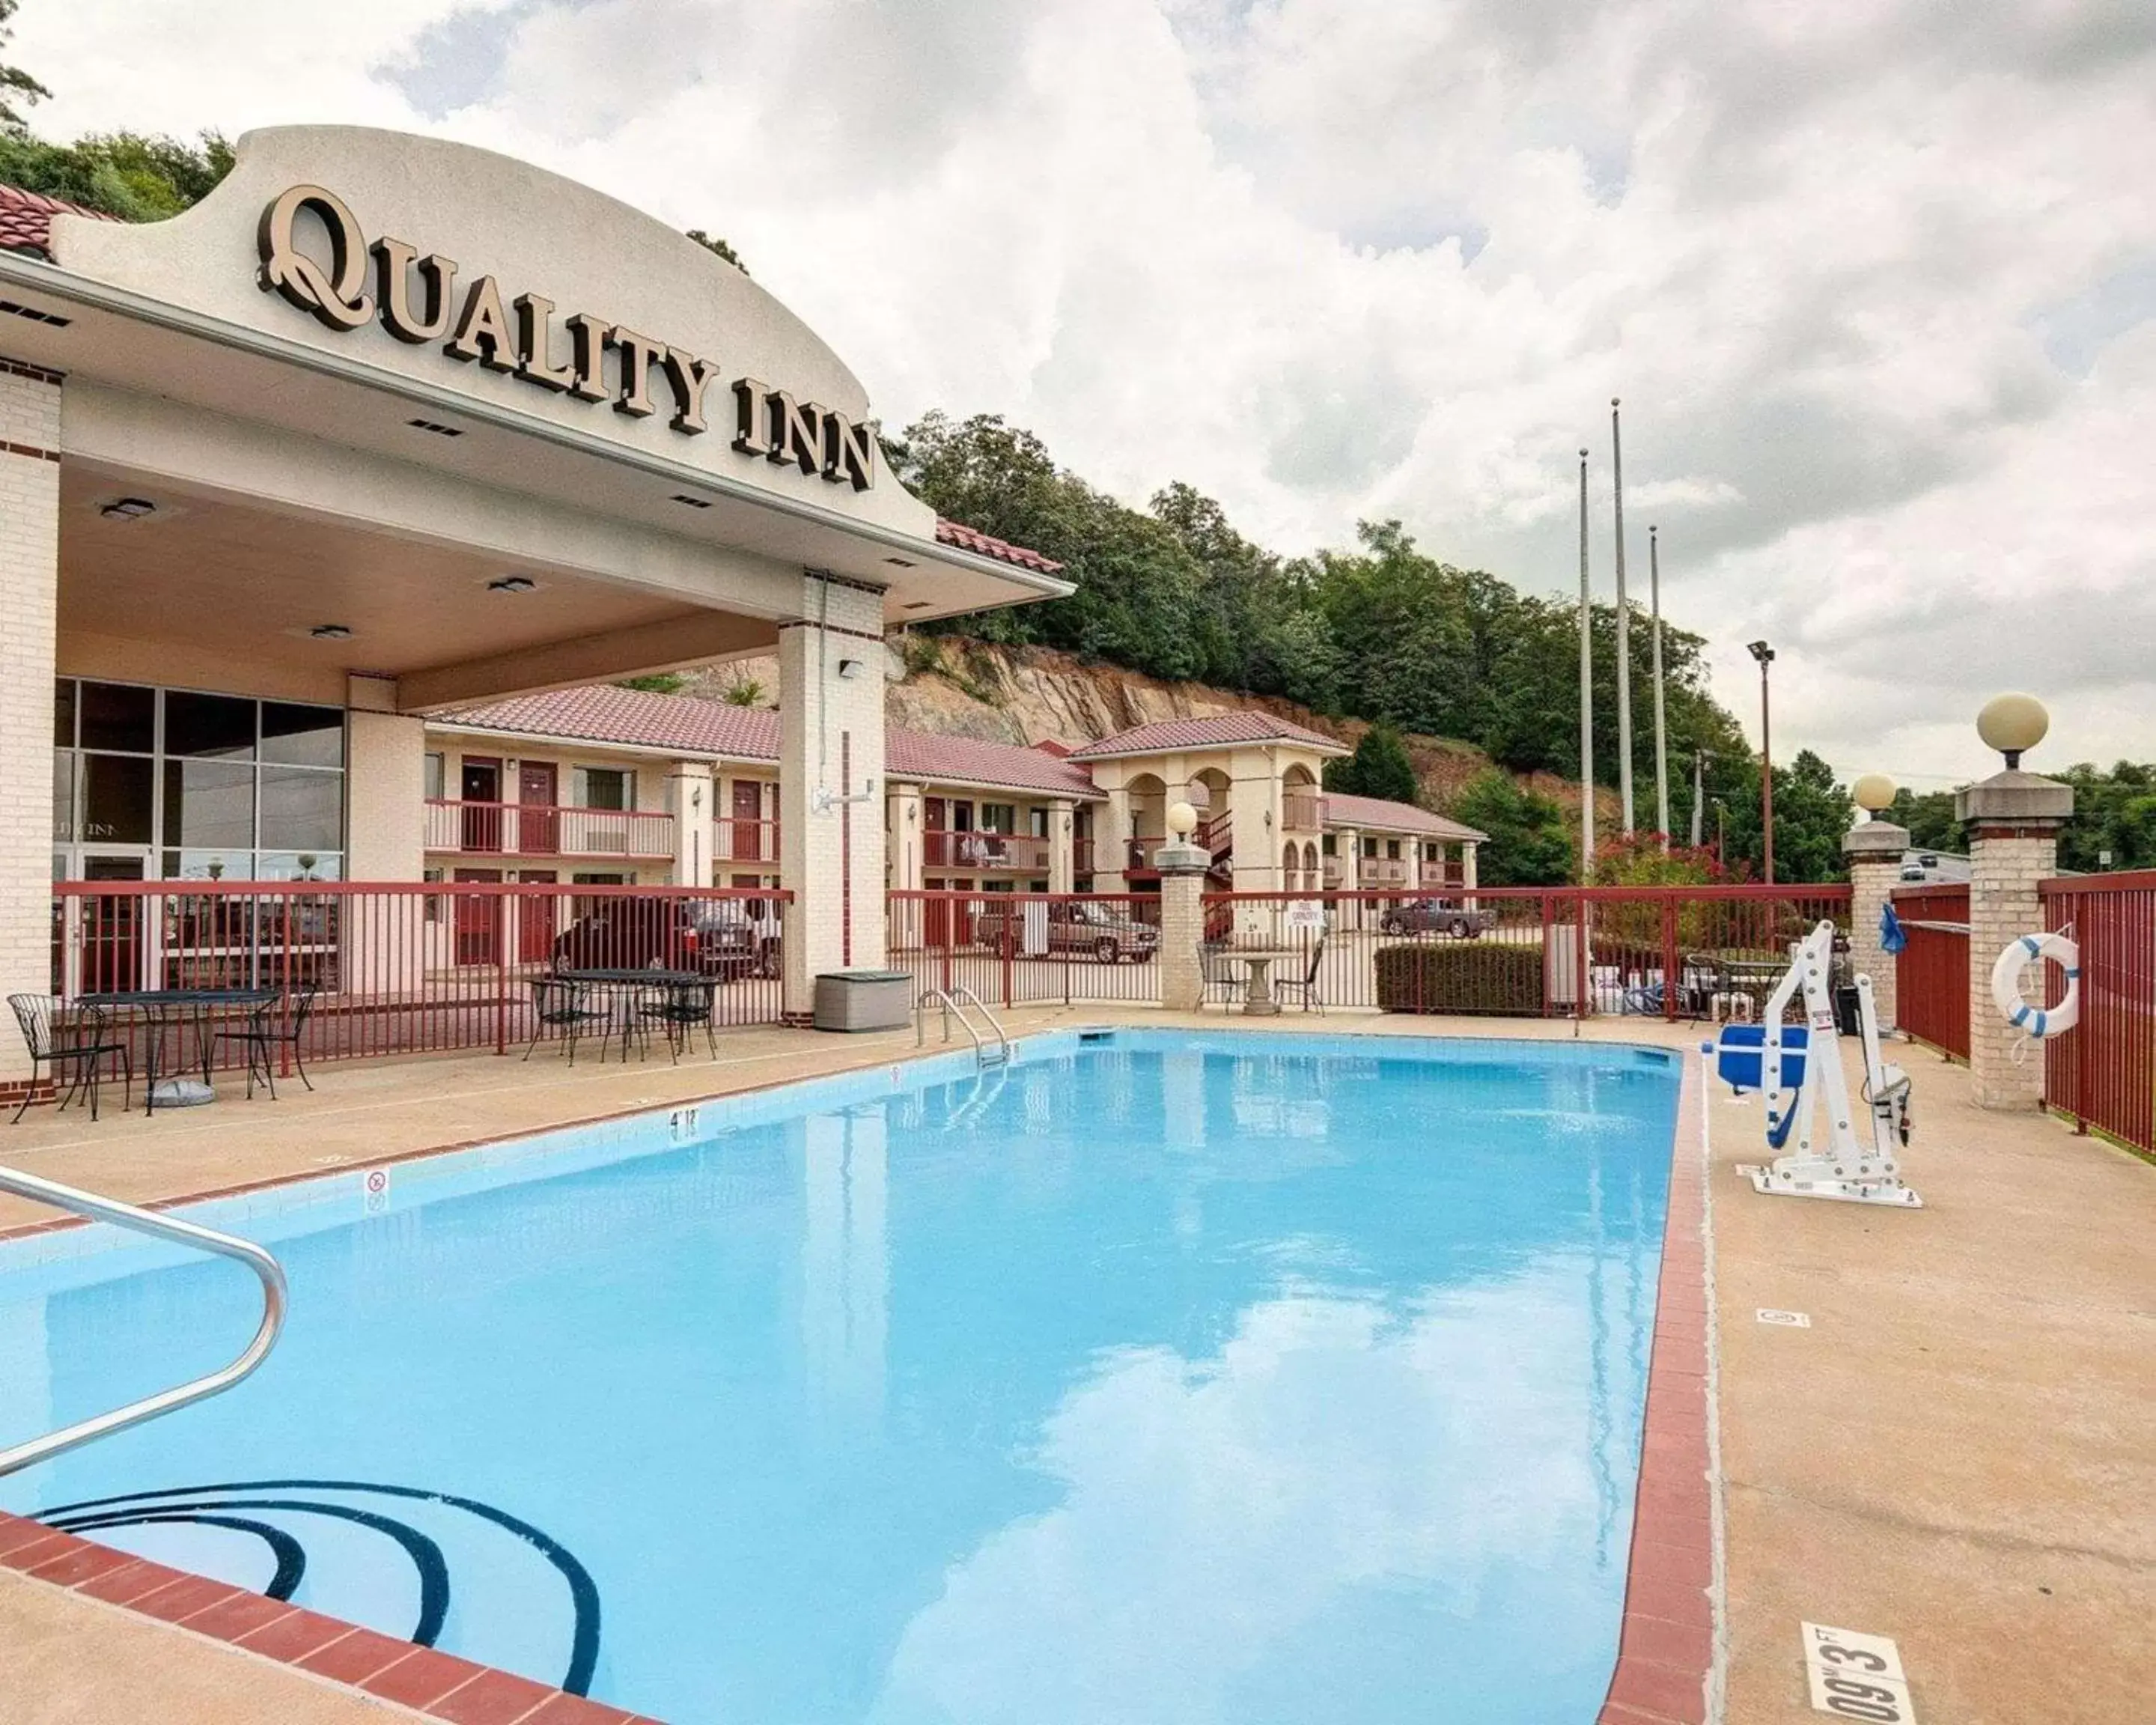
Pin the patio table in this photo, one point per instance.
(624, 984)
(1259, 1000)
(161, 1009)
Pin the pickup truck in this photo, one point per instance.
(1074, 925)
(1424, 915)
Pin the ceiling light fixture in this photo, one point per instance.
(330, 632)
(511, 583)
(128, 508)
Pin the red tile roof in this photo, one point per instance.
(1341, 810)
(695, 725)
(986, 545)
(26, 219)
(1217, 730)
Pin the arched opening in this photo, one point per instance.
(1301, 806)
(1291, 860)
(1147, 796)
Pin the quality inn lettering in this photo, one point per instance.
(418, 299)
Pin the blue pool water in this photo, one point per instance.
(1169, 1377)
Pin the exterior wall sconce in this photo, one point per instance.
(849, 668)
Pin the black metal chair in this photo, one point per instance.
(280, 1021)
(1306, 984)
(1220, 975)
(559, 1004)
(680, 1009)
(76, 1039)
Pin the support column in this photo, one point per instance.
(1348, 846)
(904, 838)
(385, 785)
(692, 799)
(1874, 849)
(30, 599)
(1112, 838)
(1467, 878)
(2012, 820)
(1062, 865)
(831, 747)
(1181, 866)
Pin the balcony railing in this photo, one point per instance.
(1302, 812)
(985, 852)
(1081, 857)
(537, 829)
(737, 840)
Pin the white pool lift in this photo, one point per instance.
(1798, 1066)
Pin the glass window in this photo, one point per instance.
(219, 725)
(210, 803)
(605, 788)
(63, 796)
(437, 775)
(1392, 849)
(209, 865)
(1037, 823)
(1369, 847)
(64, 713)
(116, 804)
(998, 817)
(295, 736)
(1329, 844)
(117, 715)
(301, 809)
(298, 865)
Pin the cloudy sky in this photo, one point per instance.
(1875, 279)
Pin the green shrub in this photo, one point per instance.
(1460, 977)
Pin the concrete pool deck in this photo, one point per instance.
(1957, 1452)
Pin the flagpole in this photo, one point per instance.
(1586, 689)
(1661, 728)
(1623, 629)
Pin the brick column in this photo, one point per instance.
(2012, 820)
(830, 746)
(1182, 924)
(30, 597)
(1062, 866)
(1874, 851)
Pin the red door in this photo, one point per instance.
(479, 919)
(480, 787)
(535, 918)
(746, 844)
(540, 827)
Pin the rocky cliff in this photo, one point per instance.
(1028, 694)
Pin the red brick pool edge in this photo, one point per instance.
(1665, 1652)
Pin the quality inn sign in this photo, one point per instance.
(417, 300)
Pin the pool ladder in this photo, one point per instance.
(954, 1003)
(168, 1228)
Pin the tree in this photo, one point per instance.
(1528, 843)
(1378, 767)
(1930, 818)
(126, 174)
(1811, 813)
(2114, 824)
(1641, 859)
(718, 248)
(743, 691)
(654, 683)
(14, 82)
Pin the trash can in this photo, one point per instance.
(863, 1000)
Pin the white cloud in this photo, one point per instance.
(1872, 279)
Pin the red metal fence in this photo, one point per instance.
(1932, 973)
(2103, 1070)
(1667, 951)
(408, 968)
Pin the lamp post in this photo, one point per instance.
(1661, 738)
(1623, 627)
(1765, 654)
(1586, 692)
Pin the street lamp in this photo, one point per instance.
(1765, 654)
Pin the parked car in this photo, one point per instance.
(1074, 925)
(1424, 915)
(722, 937)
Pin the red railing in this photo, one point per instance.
(989, 853)
(405, 968)
(1931, 976)
(2104, 1072)
(735, 840)
(1302, 812)
(1015, 948)
(1081, 856)
(538, 829)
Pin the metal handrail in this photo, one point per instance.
(954, 1001)
(170, 1227)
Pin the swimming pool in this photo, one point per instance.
(1160, 1376)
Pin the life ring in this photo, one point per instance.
(2039, 1021)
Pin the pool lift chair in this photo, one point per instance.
(1805, 1059)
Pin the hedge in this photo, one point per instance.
(1460, 977)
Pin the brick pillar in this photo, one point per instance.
(1062, 866)
(1182, 924)
(30, 597)
(692, 799)
(1874, 851)
(830, 746)
(2012, 820)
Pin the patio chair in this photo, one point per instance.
(1221, 976)
(679, 1010)
(1306, 984)
(558, 1003)
(77, 1038)
(278, 1022)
